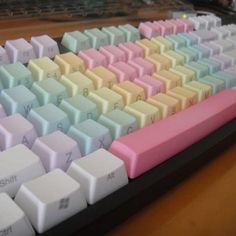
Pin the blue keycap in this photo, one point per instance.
(200, 69)
(178, 41)
(190, 39)
(188, 54)
(213, 66)
(202, 52)
(217, 85)
(131, 33)
(229, 78)
(115, 35)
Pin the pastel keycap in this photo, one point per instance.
(115, 35)
(119, 123)
(44, 46)
(204, 35)
(217, 85)
(109, 176)
(131, 33)
(106, 99)
(101, 77)
(223, 45)
(148, 46)
(49, 91)
(48, 118)
(175, 57)
(2, 112)
(185, 74)
(53, 154)
(178, 26)
(232, 56)
(225, 61)
(189, 55)
(129, 91)
(201, 119)
(227, 77)
(166, 28)
(149, 29)
(177, 41)
(18, 165)
(213, 49)
(131, 50)
(163, 43)
(18, 99)
(19, 50)
(213, 66)
(144, 113)
(75, 41)
(79, 108)
(4, 58)
(93, 58)
(90, 136)
(113, 54)
(15, 74)
(220, 32)
(189, 39)
(77, 83)
(188, 25)
(97, 37)
(69, 63)
(199, 23)
(203, 52)
(43, 68)
(161, 62)
(15, 129)
(200, 70)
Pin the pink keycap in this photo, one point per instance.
(151, 85)
(204, 35)
(93, 58)
(154, 144)
(188, 25)
(15, 129)
(56, 150)
(166, 28)
(143, 66)
(149, 29)
(214, 50)
(113, 53)
(178, 26)
(123, 71)
(131, 50)
(224, 61)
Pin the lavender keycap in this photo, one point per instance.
(4, 58)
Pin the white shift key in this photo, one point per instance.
(18, 165)
(50, 199)
(13, 221)
(99, 173)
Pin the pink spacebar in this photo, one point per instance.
(150, 146)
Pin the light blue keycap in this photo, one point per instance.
(217, 85)
(131, 33)
(115, 35)
(229, 78)
(75, 41)
(90, 136)
(188, 54)
(190, 39)
(49, 91)
(178, 41)
(97, 37)
(48, 118)
(15, 74)
(18, 100)
(119, 123)
(202, 52)
(79, 108)
(200, 69)
(213, 66)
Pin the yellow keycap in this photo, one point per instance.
(77, 83)
(145, 113)
(166, 104)
(148, 46)
(43, 68)
(203, 90)
(186, 74)
(69, 63)
(164, 44)
(106, 99)
(176, 58)
(186, 96)
(161, 62)
(169, 78)
(129, 91)
(101, 77)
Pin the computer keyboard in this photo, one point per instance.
(94, 119)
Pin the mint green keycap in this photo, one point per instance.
(97, 37)
(202, 52)
(115, 35)
(189, 55)
(14, 74)
(119, 123)
(18, 99)
(49, 91)
(90, 136)
(79, 108)
(189, 39)
(75, 41)
(48, 118)
(200, 69)
(131, 33)
(217, 85)
(177, 41)
(213, 66)
(228, 78)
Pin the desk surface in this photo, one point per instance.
(202, 205)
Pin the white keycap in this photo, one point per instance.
(232, 55)
(99, 173)
(198, 23)
(221, 32)
(18, 165)
(13, 221)
(231, 29)
(50, 199)
(224, 45)
(4, 59)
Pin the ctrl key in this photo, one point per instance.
(13, 221)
